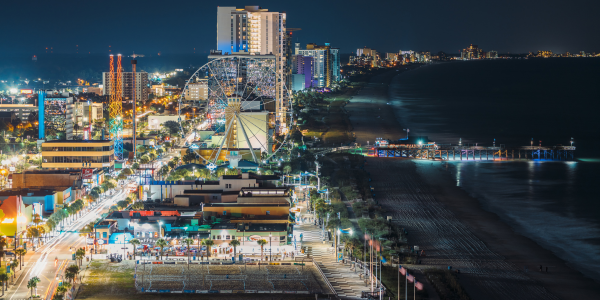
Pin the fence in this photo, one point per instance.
(268, 277)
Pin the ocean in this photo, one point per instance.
(63, 67)
(553, 203)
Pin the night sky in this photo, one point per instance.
(173, 27)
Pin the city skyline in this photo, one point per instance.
(513, 27)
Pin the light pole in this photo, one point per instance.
(270, 246)
(160, 229)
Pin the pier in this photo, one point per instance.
(450, 152)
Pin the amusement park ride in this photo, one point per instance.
(248, 113)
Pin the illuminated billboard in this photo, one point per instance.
(27, 91)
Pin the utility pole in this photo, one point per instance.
(318, 178)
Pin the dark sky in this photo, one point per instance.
(175, 26)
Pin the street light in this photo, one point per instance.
(270, 246)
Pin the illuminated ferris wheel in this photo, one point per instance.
(246, 108)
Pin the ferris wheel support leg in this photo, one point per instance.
(179, 119)
(247, 140)
(223, 140)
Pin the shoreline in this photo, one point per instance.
(372, 117)
(562, 280)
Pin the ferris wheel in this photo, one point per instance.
(245, 109)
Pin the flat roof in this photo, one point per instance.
(246, 205)
(224, 226)
(267, 227)
(24, 193)
(199, 192)
(77, 141)
(71, 172)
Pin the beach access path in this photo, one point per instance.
(346, 283)
(451, 226)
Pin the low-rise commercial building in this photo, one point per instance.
(21, 111)
(16, 215)
(155, 122)
(74, 155)
(197, 91)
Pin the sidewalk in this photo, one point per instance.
(346, 282)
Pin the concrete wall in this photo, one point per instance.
(249, 210)
(32, 180)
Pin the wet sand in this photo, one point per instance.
(423, 198)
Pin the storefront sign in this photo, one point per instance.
(87, 173)
(255, 238)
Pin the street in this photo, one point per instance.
(41, 263)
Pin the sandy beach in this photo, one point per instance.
(495, 261)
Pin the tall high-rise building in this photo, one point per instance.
(255, 30)
(336, 66)
(302, 67)
(141, 85)
(472, 52)
(326, 63)
(55, 115)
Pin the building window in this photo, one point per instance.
(213, 237)
(224, 212)
(227, 237)
(218, 237)
(268, 212)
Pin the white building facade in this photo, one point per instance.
(254, 30)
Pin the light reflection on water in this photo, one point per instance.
(555, 203)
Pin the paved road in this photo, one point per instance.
(41, 262)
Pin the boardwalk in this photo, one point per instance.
(347, 283)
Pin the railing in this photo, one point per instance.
(324, 277)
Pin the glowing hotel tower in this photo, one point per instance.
(254, 30)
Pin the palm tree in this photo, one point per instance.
(21, 252)
(79, 255)
(13, 264)
(71, 272)
(69, 275)
(43, 229)
(32, 284)
(161, 243)
(134, 242)
(3, 279)
(61, 290)
(32, 233)
(234, 243)
(287, 169)
(208, 243)
(36, 219)
(51, 224)
(3, 243)
(261, 243)
(188, 242)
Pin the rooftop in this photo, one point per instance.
(51, 172)
(267, 227)
(224, 226)
(78, 141)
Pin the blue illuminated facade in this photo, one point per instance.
(41, 113)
